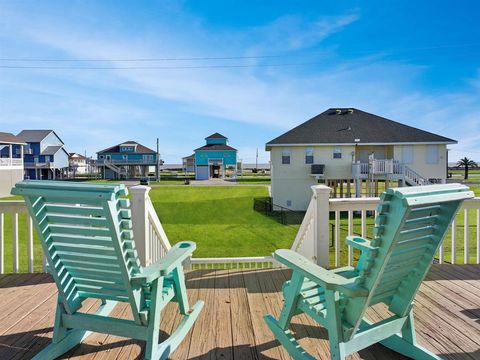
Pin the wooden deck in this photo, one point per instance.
(447, 313)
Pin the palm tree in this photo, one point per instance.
(466, 163)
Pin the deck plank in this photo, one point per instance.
(231, 326)
(242, 327)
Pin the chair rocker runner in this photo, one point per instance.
(86, 234)
(409, 228)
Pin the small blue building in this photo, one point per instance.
(127, 160)
(214, 158)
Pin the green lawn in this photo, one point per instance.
(254, 179)
(221, 220)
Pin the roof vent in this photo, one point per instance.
(350, 111)
(339, 111)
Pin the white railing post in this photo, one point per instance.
(140, 222)
(321, 195)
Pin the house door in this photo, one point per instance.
(215, 171)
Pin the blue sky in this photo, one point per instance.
(409, 61)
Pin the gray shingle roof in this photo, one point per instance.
(216, 147)
(349, 125)
(51, 150)
(216, 136)
(34, 135)
(8, 138)
(140, 148)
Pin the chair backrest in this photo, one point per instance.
(410, 226)
(86, 234)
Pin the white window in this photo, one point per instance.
(432, 154)
(286, 157)
(309, 156)
(407, 154)
(337, 153)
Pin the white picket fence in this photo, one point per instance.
(313, 239)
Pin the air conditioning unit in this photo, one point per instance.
(318, 169)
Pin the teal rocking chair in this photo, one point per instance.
(410, 226)
(86, 234)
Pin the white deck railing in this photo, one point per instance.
(14, 217)
(11, 162)
(313, 239)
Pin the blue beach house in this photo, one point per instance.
(126, 160)
(215, 159)
(44, 155)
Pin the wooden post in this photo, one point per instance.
(321, 195)
(341, 188)
(334, 188)
(140, 223)
(349, 190)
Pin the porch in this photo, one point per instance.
(231, 326)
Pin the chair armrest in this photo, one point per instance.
(175, 256)
(360, 243)
(328, 279)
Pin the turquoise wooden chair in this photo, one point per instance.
(410, 226)
(86, 234)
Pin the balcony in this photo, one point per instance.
(11, 162)
(38, 165)
(126, 162)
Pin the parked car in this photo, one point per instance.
(145, 181)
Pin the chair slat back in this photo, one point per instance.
(86, 234)
(409, 228)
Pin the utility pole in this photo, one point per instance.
(158, 161)
(256, 161)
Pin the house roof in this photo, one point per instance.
(350, 126)
(36, 135)
(77, 155)
(216, 147)
(188, 157)
(140, 148)
(216, 136)
(51, 150)
(8, 138)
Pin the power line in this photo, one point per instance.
(203, 58)
(144, 59)
(153, 67)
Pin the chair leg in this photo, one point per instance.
(180, 290)
(66, 339)
(166, 348)
(406, 344)
(154, 319)
(287, 340)
(291, 298)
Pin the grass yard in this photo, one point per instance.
(254, 179)
(221, 220)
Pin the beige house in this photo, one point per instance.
(346, 147)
